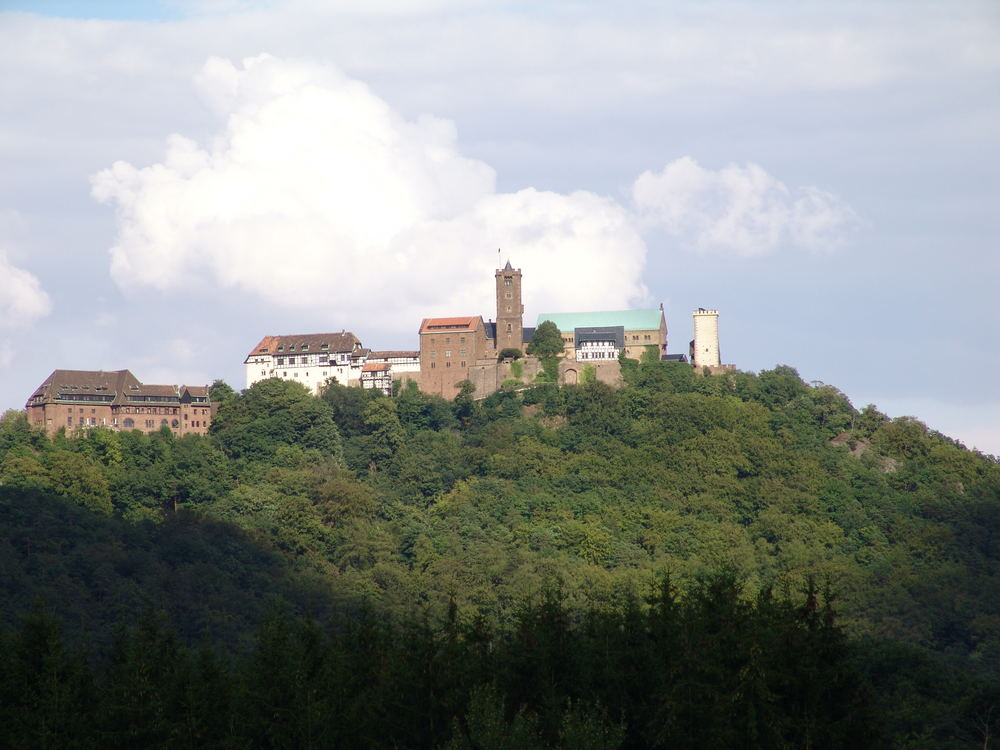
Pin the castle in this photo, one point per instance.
(461, 348)
(452, 350)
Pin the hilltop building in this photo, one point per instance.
(382, 367)
(704, 348)
(448, 347)
(603, 335)
(81, 399)
(309, 359)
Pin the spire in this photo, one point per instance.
(508, 267)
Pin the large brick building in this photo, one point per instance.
(81, 399)
(448, 348)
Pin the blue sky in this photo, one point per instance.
(130, 10)
(181, 178)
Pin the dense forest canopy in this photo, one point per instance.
(413, 507)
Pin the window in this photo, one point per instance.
(69, 420)
(93, 411)
(461, 339)
(305, 347)
(509, 328)
(447, 364)
(508, 295)
(463, 364)
(93, 421)
(281, 360)
(175, 424)
(447, 353)
(646, 337)
(447, 339)
(461, 352)
(163, 423)
(433, 365)
(291, 347)
(129, 423)
(433, 354)
(508, 281)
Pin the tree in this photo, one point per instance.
(220, 391)
(510, 353)
(385, 433)
(547, 341)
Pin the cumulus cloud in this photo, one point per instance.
(22, 299)
(319, 196)
(739, 210)
(22, 303)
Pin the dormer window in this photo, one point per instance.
(291, 347)
(281, 347)
(324, 347)
(305, 347)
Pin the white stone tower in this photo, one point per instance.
(705, 348)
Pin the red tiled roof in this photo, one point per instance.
(375, 367)
(345, 341)
(433, 325)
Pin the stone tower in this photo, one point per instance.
(705, 347)
(510, 311)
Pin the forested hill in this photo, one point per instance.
(402, 506)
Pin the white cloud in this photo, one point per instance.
(319, 196)
(739, 210)
(22, 299)
(22, 303)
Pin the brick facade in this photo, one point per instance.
(84, 399)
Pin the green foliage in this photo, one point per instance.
(385, 432)
(220, 391)
(547, 341)
(275, 412)
(517, 370)
(510, 353)
(550, 370)
(418, 503)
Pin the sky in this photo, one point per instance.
(180, 178)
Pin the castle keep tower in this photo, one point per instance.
(510, 311)
(705, 347)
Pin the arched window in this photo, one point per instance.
(129, 423)
(175, 424)
(163, 423)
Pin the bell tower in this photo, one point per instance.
(510, 311)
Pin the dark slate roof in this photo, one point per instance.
(491, 330)
(600, 333)
(508, 267)
(527, 334)
(98, 386)
(674, 358)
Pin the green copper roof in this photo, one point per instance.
(631, 320)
